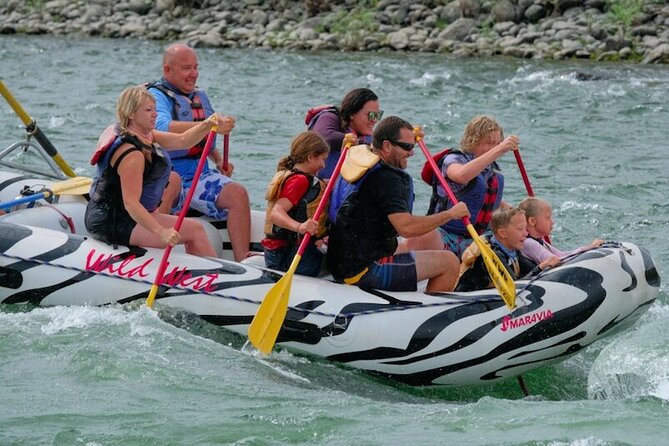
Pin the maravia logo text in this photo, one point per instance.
(509, 323)
(177, 276)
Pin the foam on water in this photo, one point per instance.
(428, 79)
(635, 365)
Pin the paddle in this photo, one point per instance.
(523, 173)
(226, 149)
(33, 129)
(184, 210)
(267, 322)
(526, 180)
(497, 271)
(71, 186)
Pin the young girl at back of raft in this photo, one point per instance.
(539, 215)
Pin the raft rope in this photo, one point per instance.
(306, 311)
(541, 274)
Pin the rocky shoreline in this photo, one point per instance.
(602, 30)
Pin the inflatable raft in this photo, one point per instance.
(46, 258)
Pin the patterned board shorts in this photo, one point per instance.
(454, 242)
(207, 189)
(392, 273)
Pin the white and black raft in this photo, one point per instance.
(411, 337)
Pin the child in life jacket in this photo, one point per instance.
(509, 231)
(292, 198)
(539, 215)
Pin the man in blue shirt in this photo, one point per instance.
(180, 106)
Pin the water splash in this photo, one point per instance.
(634, 366)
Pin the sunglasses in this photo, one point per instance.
(375, 116)
(403, 145)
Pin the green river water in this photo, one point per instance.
(596, 149)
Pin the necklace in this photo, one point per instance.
(146, 136)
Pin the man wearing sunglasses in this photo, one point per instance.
(363, 247)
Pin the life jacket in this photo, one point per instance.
(481, 197)
(474, 274)
(193, 107)
(107, 183)
(314, 113)
(343, 188)
(358, 236)
(304, 210)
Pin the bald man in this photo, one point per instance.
(180, 106)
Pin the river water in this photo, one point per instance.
(597, 149)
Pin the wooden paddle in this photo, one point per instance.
(267, 322)
(526, 180)
(184, 210)
(498, 273)
(33, 129)
(71, 186)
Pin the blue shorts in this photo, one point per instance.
(455, 243)
(207, 190)
(392, 273)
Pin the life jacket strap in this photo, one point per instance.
(355, 279)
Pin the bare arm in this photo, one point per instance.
(189, 137)
(408, 225)
(464, 173)
(280, 217)
(131, 172)
(226, 124)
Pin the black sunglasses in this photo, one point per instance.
(403, 145)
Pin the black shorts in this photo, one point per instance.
(102, 225)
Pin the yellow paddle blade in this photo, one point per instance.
(498, 273)
(269, 318)
(152, 296)
(72, 186)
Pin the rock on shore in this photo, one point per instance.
(630, 30)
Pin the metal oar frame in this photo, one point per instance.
(25, 146)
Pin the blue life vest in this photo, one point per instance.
(106, 183)
(343, 189)
(360, 232)
(191, 107)
(480, 196)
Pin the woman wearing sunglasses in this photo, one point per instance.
(358, 113)
(475, 179)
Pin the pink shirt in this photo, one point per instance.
(538, 251)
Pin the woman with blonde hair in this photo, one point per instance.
(132, 175)
(292, 198)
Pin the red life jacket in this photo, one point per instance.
(313, 112)
(105, 141)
